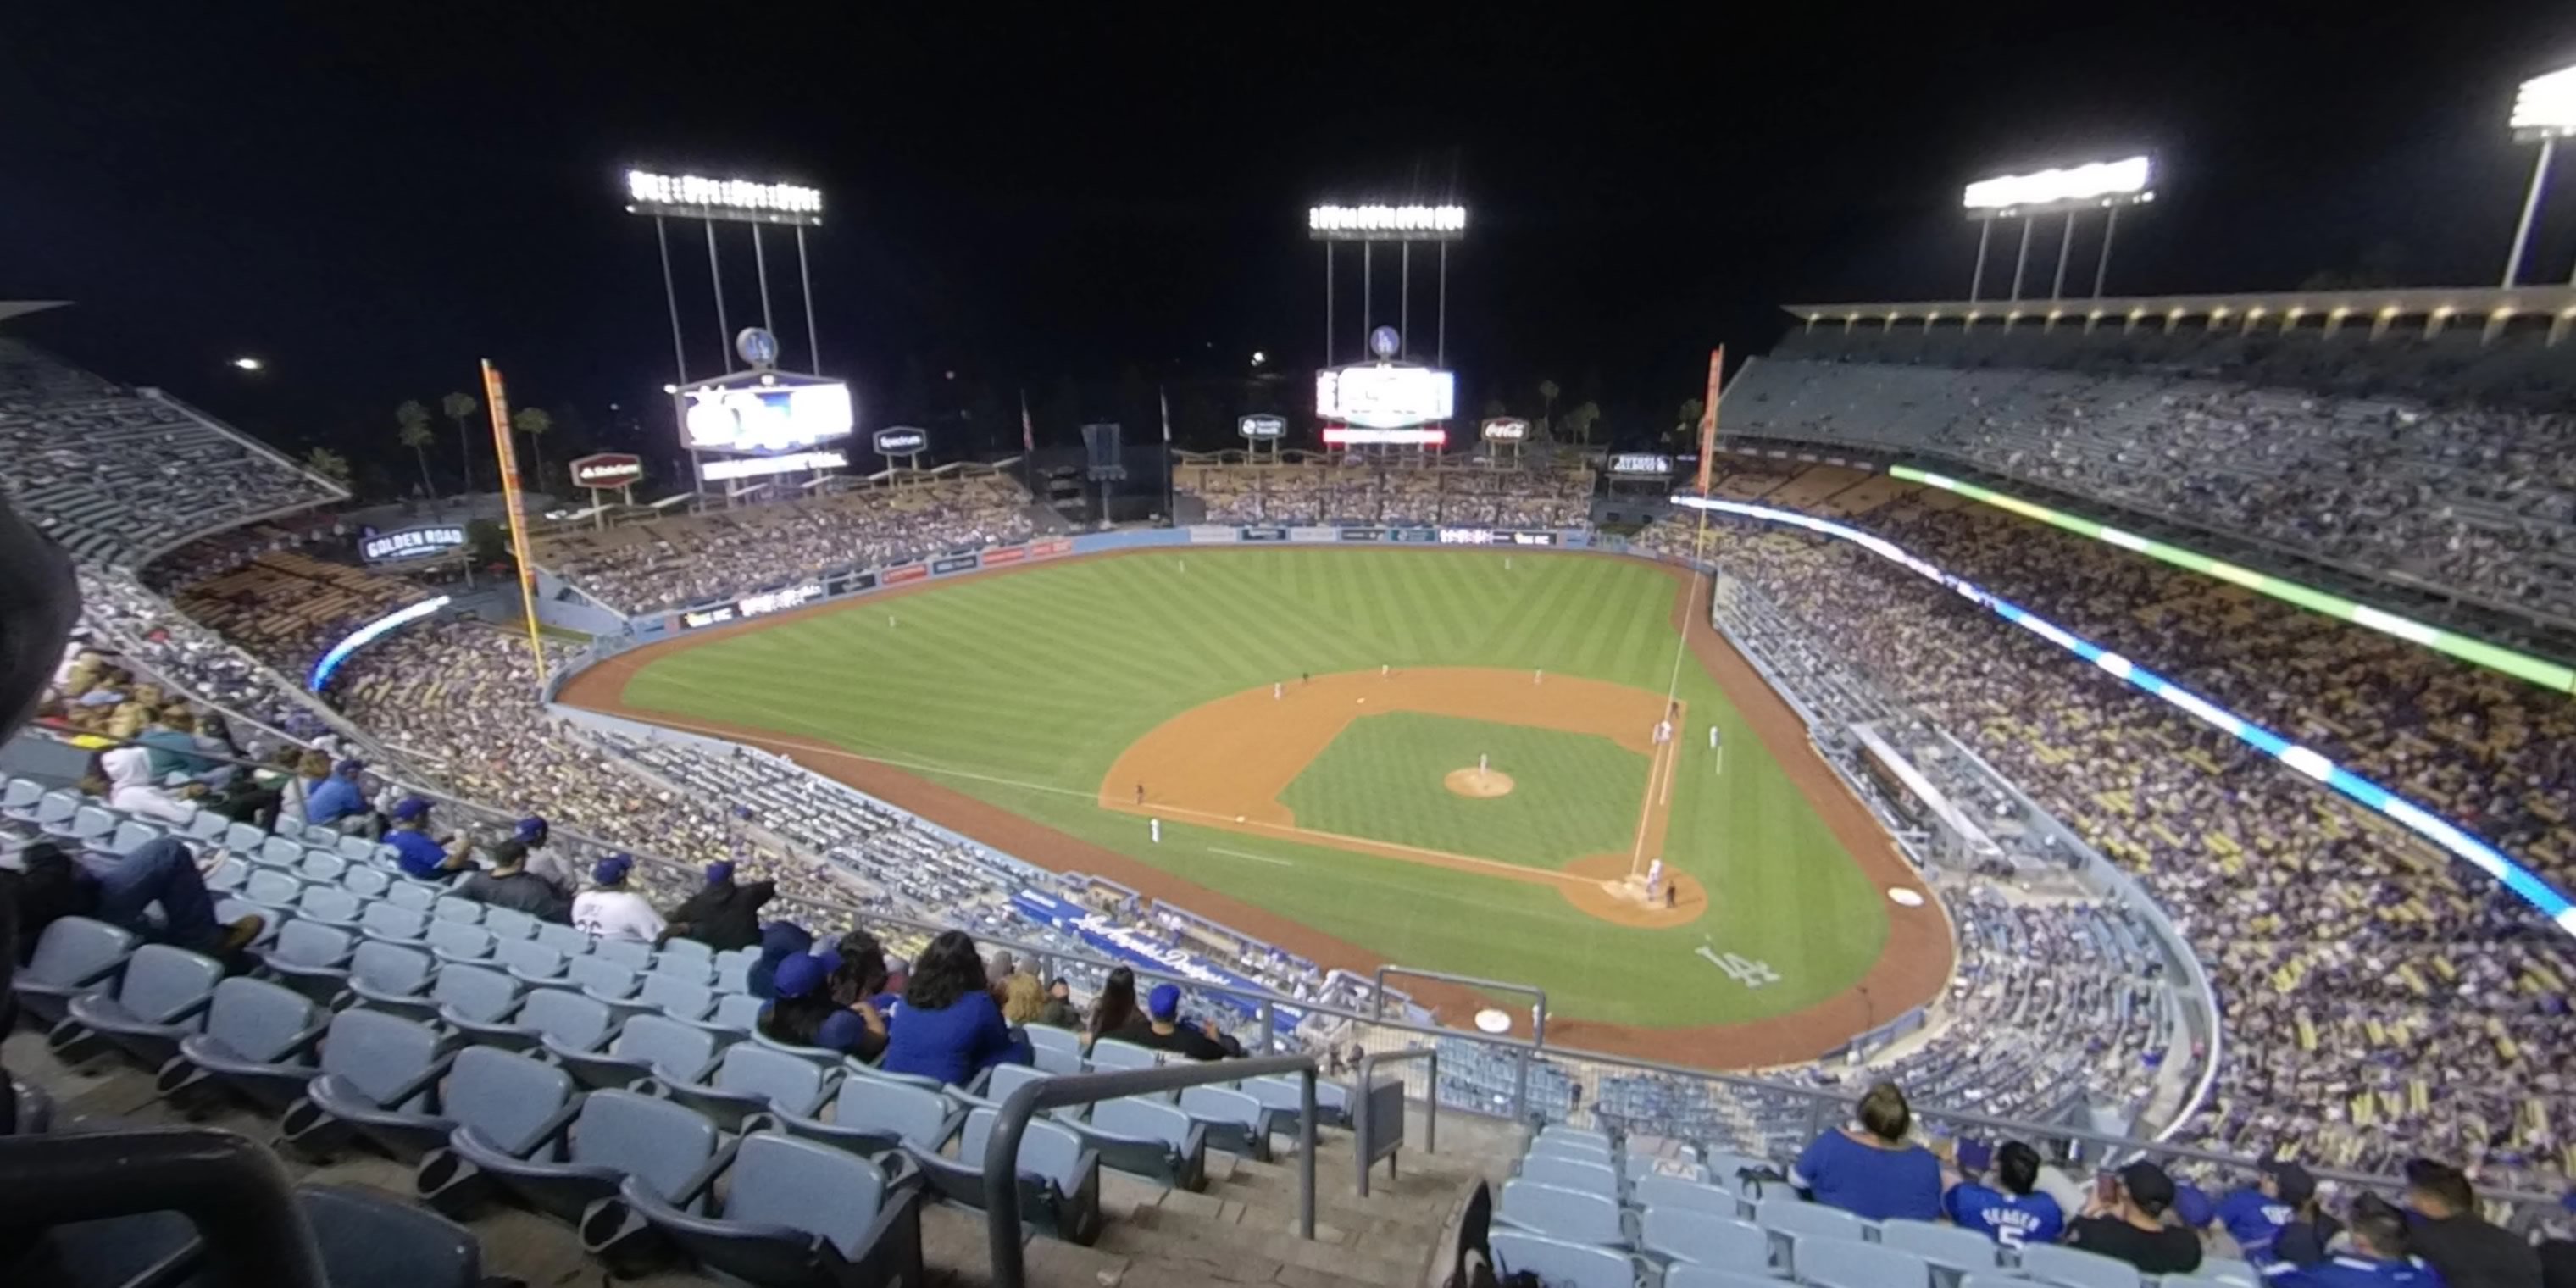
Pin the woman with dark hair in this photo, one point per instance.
(803, 1012)
(947, 1027)
(861, 976)
(1871, 1170)
(1116, 1008)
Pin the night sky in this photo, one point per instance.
(370, 197)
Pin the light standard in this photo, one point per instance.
(2072, 190)
(2544, 110)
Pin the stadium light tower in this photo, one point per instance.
(2070, 190)
(2544, 110)
(1403, 225)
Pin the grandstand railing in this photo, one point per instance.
(1364, 1126)
(1002, 1148)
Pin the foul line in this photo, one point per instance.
(1257, 858)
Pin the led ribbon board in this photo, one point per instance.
(366, 635)
(2547, 674)
(2524, 883)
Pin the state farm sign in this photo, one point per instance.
(607, 469)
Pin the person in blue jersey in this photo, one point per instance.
(2375, 1258)
(947, 1026)
(337, 797)
(421, 856)
(2255, 1215)
(2012, 1215)
(1871, 1170)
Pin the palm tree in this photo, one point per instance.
(460, 407)
(416, 435)
(1547, 392)
(329, 464)
(1580, 421)
(534, 422)
(1686, 423)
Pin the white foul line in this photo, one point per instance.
(1257, 858)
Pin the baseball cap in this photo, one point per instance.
(719, 873)
(2292, 1180)
(613, 869)
(409, 808)
(1164, 1003)
(802, 973)
(2148, 1186)
(531, 826)
(1975, 1155)
(352, 766)
(2192, 1206)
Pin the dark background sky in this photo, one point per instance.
(370, 197)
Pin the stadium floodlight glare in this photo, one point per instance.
(1387, 223)
(2100, 183)
(249, 364)
(2545, 110)
(2546, 107)
(745, 200)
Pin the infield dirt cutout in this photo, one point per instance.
(1225, 764)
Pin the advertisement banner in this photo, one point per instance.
(412, 543)
(1495, 537)
(607, 470)
(1314, 534)
(1363, 534)
(898, 576)
(1128, 946)
(1412, 534)
(1265, 534)
(953, 563)
(1050, 548)
(1005, 555)
(849, 582)
(760, 605)
(1205, 534)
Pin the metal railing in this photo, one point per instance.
(1538, 1016)
(1364, 1096)
(1002, 1148)
(249, 1228)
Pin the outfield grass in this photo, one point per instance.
(1022, 689)
(1573, 794)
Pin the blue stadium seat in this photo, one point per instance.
(258, 1043)
(18, 799)
(311, 958)
(229, 910)
(1563, 1214)
(1637, 1167)
(510, 1101)
(368, 1238)
(737, 1013)
(322, 867)
(1571, 1174)
(379, 1079)
(529, 962)
(1785, 1216)
(131, 835)
(245, 840)
(1110, 1053)
(162, 997)
(581, 1157)
(1673, 1192)
(795, 1213)
(473, 994)
(566, 1023)
(230, 874)
(454, 941)
(2229, 1269)
(272, 888)
(1057, 1050)
(602, 979)
(675, 997)
(54, 813)
(450, 908)
(564, 939)
(356, 849)
(1946, 1246)
(412, 896)
(680, 949)
(733, 974)
(207, 827)
(692, 970)
(1681, 1234)
(279, 852)
(392, 978)
(1691, 1276)
(1850, 1263)
(366, 883)
(1058, 1179)
(1232, 1119)
(75, 955)
(389, 921)
(871, 1117)
(632, 954)
(646, 1046)
(328, 905)
(1560, 1263)
(751, 1079)
(2075, 1268)
(509, 923)
(1145, 1136)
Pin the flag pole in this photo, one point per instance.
(498, 400)
(1166, 400)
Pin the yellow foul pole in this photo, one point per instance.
(499, 401)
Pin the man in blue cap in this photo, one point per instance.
(723, 914)
(611, 910)
(1162, 1029)
(2377, 1257)
(421, 857)
(2012, 1215)
(338, 797)
(2255, 1215)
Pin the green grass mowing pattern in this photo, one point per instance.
(1040, 678)
(1573, 794)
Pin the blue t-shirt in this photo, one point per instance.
(1870, 1183)
(2011, 1220)
(2254, 1221)
(2352, 1271)
(953, 1043)
(335, 798)
(416, 853)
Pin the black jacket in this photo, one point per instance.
(723, 916)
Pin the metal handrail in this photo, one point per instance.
(1361, 1098)
(1538, 1016)
(232, 1188)
(1002, 1148)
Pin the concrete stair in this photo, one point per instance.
(1239, 1228)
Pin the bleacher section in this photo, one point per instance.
(1391, 495)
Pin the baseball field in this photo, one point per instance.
(1460, 760)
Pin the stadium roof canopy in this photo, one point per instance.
(19, 308)
(2433, 309)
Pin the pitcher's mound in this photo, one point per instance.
(1479, 782)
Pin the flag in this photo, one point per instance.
(1028, 428)
(1166, 400)
(1708, 416)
